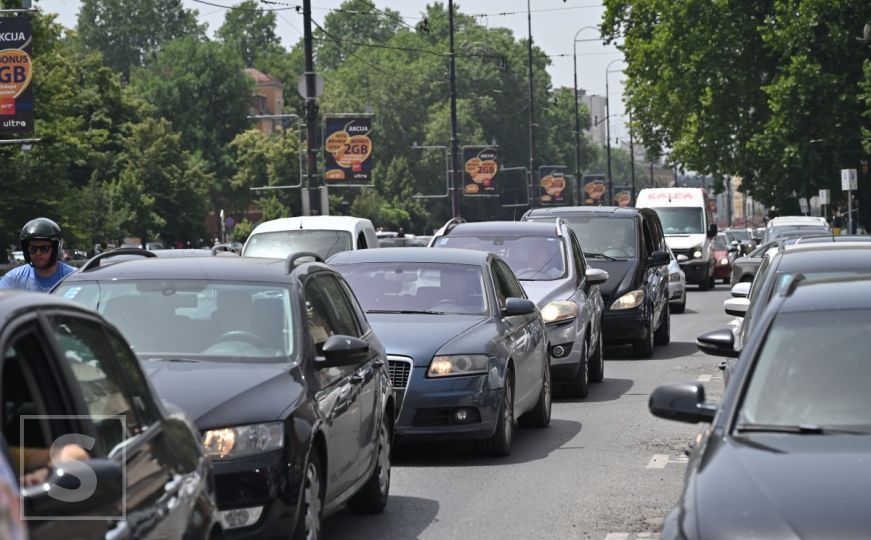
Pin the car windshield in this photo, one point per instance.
(608, 235)
(795, 231)
(797, 381)
(412, 287)
(720, 243)
(531, 258)
(741, 236)
(194, 318)
(681, 220)
(280, 244)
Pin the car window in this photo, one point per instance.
(91, 359)
(344, 319)
(681, 220)
(649, 244)
(139, 389)
(321, 324)
(26, 390)
(506, 284)
(577, 255)
(280, 244)
(361, 241)
(720, 242)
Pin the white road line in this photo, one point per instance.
(705, 378)
(617, 536)
(659, 461)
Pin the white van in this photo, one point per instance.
(324, 235)
(689, 229)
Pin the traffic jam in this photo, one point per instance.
(256, 394)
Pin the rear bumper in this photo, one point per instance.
(695, 271)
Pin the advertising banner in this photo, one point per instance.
(348, 149)
(623, 196)
(593, 189)
(16, 63)
(553, 186)
(480, 165)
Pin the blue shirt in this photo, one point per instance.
(25, 278)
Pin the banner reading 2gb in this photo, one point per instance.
(348, 149)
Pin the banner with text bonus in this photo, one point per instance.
(553, 186)
(16, 64)
(592, 189)
(348, 149)
(480, 166)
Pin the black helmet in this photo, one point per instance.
(41, 229)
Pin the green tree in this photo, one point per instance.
(250, 31)
(357, 21)
(265, 160)
(127, 32)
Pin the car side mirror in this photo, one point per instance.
(719, 342)
(712, 230)
(736, 307)
(659, 258)
(741, 290)
(342, 350)
(104, 476)
(683, 402)
(518, 306)
(596, 276)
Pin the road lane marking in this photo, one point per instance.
(659, 461)
(617, 536)
(704, 378)
(626, 536)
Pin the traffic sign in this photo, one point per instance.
(319, 86)
(230, 222)
(824, 196)
(849, 180)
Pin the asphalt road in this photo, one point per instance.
(604, 469)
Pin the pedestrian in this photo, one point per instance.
(41, 242)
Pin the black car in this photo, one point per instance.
(787, 450)
(70, 380)
(630, 245)
(549, 262)
(466, 347)
(275, 362)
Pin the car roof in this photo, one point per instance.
(411, 254)
(338, 223)
(828, 294)
(796, 220)
(502, 227)
(822, 257)
(13, 301)
(623, 211)
(208, 268)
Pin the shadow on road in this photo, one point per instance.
(607, 390)
(675, 349)
(529, 444)
(686, 311)
(404, 519)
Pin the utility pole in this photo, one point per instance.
(531, 110)
(608, 131)
(311, 115)
(452, 77)
(632, 155)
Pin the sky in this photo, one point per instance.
(554, 26)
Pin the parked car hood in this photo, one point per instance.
(543, 292)
(419, 336)
(218, 394)
(784, 486)
(621, 276)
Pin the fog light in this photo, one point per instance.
(561, 351)
(461, 415)
(240, 517)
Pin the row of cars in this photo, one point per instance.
(782, 454)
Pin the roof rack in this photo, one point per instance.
(294, 258)
(559, 222)
(94, 262)
(223, 249)
(793, 284)
(449, 226)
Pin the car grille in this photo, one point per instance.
(686, 252)
(399, 369)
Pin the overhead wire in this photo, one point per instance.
(240, 8)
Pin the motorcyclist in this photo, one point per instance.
(41, 242)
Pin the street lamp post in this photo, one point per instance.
(577, 99)
(455, 193)
(608, 130)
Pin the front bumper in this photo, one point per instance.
(429, 404)
(265, 480)
(676, 290)
(565, 334)
(624, 326)
(696, 271)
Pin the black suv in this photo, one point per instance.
(276, 363)
(629, 244)
(70, 381)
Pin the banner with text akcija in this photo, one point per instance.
(16, 73)
(348, 149)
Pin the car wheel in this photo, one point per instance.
(372, 497)
(680, 307)
(540, 415)
(712, 282)
(643, 348)
(308, 525)
(579, 385)
(663, 334)
(597, 364)
(499, 444)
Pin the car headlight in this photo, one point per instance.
(629, 300)
(459, 364)
(697, 252)
(674, 277)
(560, 310)
(241, 441)
(724, 261)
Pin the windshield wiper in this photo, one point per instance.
(802, 429)
(599, 256)
(406, 311)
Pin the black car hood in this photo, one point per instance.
(785, 486)
(219, 394)
(621, 276)
(419, 336)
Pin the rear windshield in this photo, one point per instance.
(280, 244)
(531, 258)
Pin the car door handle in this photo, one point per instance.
(357, 378)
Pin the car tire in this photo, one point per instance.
(597, 364)
(681, 307)
(372, 497)
(308, 526)
(540, 415)
(499, 444)
(579, 385)
(712, 282)
(643, 348)
(663, 334)
(725, 281)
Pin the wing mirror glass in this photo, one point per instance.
(712, 230)
(718, 343)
